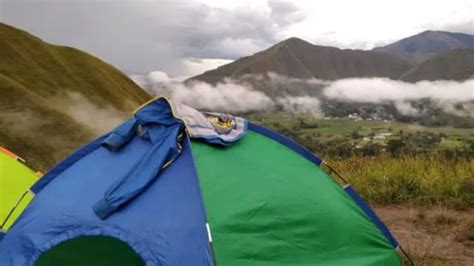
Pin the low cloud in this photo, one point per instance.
(230, 95)
(300, 104)
(253, 93)
(405, 108)
(227, 96)
(451, 96)
(382, 89)
(98, 118)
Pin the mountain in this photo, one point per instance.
(427, 44)
(299, 59)
(53, 98)
(452, 65)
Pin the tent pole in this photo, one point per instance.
(334, 171)
(13, 209)
(406, 255)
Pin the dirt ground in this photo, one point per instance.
(432, 236)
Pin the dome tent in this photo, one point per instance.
(15, 180)
(172, 186)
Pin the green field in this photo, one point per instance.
(330, 127)
(389, 162)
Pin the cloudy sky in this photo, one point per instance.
(184, 38)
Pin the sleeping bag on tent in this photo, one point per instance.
(15, 180)
(174, 186)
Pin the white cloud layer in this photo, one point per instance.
(228, 97)
(382, 89)
(305, 96)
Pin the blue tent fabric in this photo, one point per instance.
(160, 232)
(66, 163)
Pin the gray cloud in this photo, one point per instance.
(285, 13)
(219, 33)
(464, 27)
(142, 36)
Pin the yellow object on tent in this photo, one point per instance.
(15, 181)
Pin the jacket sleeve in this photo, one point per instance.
(121, 135)
(163, 151)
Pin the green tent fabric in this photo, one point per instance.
(15, 180)
(267, 205)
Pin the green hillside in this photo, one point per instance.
(54, 98)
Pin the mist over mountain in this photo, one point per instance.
(427, 44)
(55, 98)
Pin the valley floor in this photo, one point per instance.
(432, 236)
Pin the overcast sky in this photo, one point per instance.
(187, 37)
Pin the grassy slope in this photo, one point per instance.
(32, 74)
